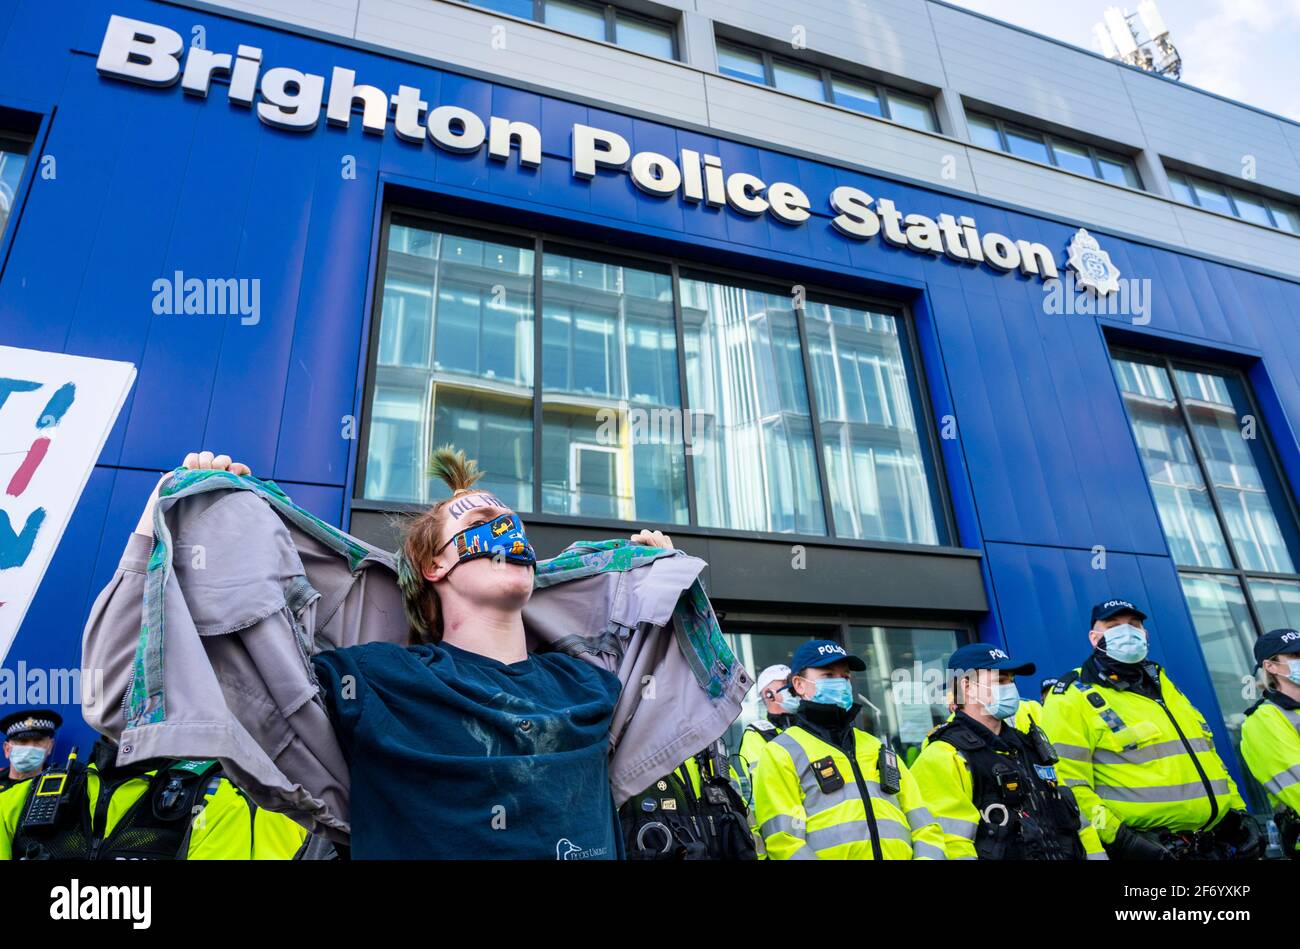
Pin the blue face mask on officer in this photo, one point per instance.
(788, 700)
(25, 758)
(833, 691)
(1005, 700)
(1125, 643)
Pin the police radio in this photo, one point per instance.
(52, 795)
(1043, 746)
(891, 779)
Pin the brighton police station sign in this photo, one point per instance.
(290, 99)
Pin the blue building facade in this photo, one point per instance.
(1037, 496)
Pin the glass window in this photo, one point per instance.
(1277, 602)
(1212, 197)
(856, 95)
(740, 63)
(519, 8)
(578, 18)
(1251, 209)
(1181, 189)
(13, 159)
(912, 111)
(1182, 501)
(1027, 144)
(613, 443)
(1249, 493)
(1072, 157)
(906, 679)
(984, 131)
(1226, 636)
(755, 464)
(644, 36)
(877, 467)
(1288, 219)
(1118, 170)
(454, 363)
(802, 81)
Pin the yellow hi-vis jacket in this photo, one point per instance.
(1270, 743)
(798, 820)
(1027, 714)
(1126, 762)
(943, 775)
(229, 827)
(751, 746)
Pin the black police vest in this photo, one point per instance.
(156, 827)
(1024, 815)
(668, 821)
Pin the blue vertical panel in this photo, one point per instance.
(699, 219)
(651, 211)
(243, 418)
(325, 503)
(611, 192)
(978, 433)
(321, 383)
(510, 179)
(994, 358)
(951, 458)
(456, 170)
(39, 292)
(179, 362)
(114, 315)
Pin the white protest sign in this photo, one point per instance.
(55, 414)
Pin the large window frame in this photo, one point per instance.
(612, 13)
(945, 521)
(1237, 571)
(1272, 207)
(1050, 139)
(883, 91)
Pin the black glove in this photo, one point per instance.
(1130, 844)
(1240, 830)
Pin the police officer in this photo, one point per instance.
(1139, 756)
(780, 703)
(150, 810)
(29, 742)
(994, 788)
(824, 789)
(1270, 736)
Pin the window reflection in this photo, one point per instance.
(454, 364)
(613, 444)
(755, 465)
(881, 487)
(1184, 506)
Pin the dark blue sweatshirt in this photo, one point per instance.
(457, 756)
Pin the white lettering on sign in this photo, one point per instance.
(284, 98)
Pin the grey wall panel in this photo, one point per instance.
(1235, 240)
(1210, 133)
(750, 110)
(460, 34)
(329, 16)
(1004, 178)
(1034, 77)
(892, 36)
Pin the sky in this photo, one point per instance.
(1248, 50)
